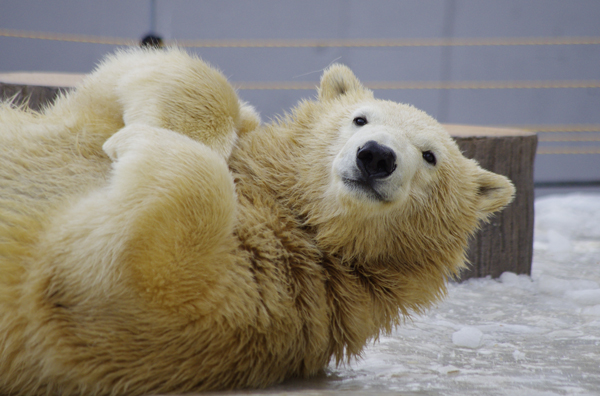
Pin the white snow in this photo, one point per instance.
(468, 337)
(584, 297)
(516, 335)
(518, 355)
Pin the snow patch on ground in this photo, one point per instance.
(468, 337)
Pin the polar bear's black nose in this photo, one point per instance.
(375, 161)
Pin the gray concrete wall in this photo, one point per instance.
(361, 19)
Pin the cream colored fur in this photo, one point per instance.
(154, 238)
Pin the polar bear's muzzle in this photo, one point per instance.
(375, 161)
(373, 164)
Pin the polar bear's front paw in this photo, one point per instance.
(137, 138)
(121, 142)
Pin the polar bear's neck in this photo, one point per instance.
(354, 299)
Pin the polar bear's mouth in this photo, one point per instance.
(366, 188)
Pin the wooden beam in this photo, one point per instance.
(35, 89)
(506, 242)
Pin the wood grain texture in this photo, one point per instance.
(35, 89)
(506, 242)
(36, 97)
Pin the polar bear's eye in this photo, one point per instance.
(360, 121)
(429, 157)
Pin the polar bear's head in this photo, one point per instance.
(388, 153)
(384, 181)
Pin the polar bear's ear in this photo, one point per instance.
(339, 80)
(249, 118)
(493, 192)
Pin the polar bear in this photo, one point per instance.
(155, 238)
